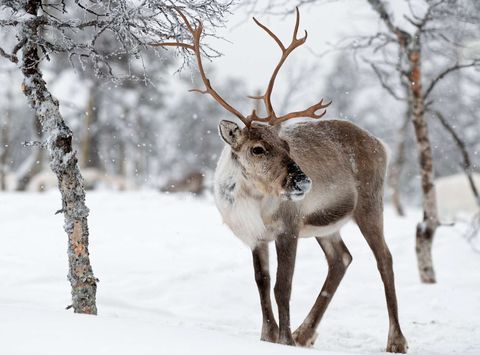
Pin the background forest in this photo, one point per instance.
(144, 129)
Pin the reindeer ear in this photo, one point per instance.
(229, 131)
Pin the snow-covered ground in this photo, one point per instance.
(174, 280)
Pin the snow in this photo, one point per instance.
(174, 280)
(454, 195)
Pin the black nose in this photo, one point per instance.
(295, 174)
(293, 169)
(296, 184)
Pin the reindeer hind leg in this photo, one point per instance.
(338, 258)
(370, 222)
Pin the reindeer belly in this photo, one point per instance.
(329, 219)
(309, 230)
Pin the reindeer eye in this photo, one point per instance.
(258, 150)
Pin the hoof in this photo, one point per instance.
(397, 345)
(286, 339)
(270, 334)
(305, 339)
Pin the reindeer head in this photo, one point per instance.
(265, 160)
(263, 155)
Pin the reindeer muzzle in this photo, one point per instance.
(297, 184)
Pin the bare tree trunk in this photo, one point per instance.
(90, 144)
(396, 168)
(121, 169)
(32, 165)
(425, 229)
(4, 141)
(138, 156)
(4, 153)
(63, 162)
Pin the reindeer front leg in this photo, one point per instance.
(286, 245)
(262, 278)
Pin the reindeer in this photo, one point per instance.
(280, 184)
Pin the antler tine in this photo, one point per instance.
(271, 34)
(295, 43)
(297, 25)
(196, 48)
(309, 112)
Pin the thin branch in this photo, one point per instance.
(11, 57)
(172, 44)
(448, 71)
(411, 21)
(467, 165)
(5, 23)
(34, 144)
(416, 17)
(19, 46)
(388, 88)
(426, 18)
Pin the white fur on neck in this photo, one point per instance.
(240, 212)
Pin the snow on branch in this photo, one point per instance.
(11, 57)
(95, 35)
(34, 144)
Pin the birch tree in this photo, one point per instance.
(410, 45)
(73, 28)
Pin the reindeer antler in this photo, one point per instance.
(271, 117)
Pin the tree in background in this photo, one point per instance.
(73, 29)
(411, 48)
(5, 126)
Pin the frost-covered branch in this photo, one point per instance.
(34, 144)
(95, 34)
(10, 56)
